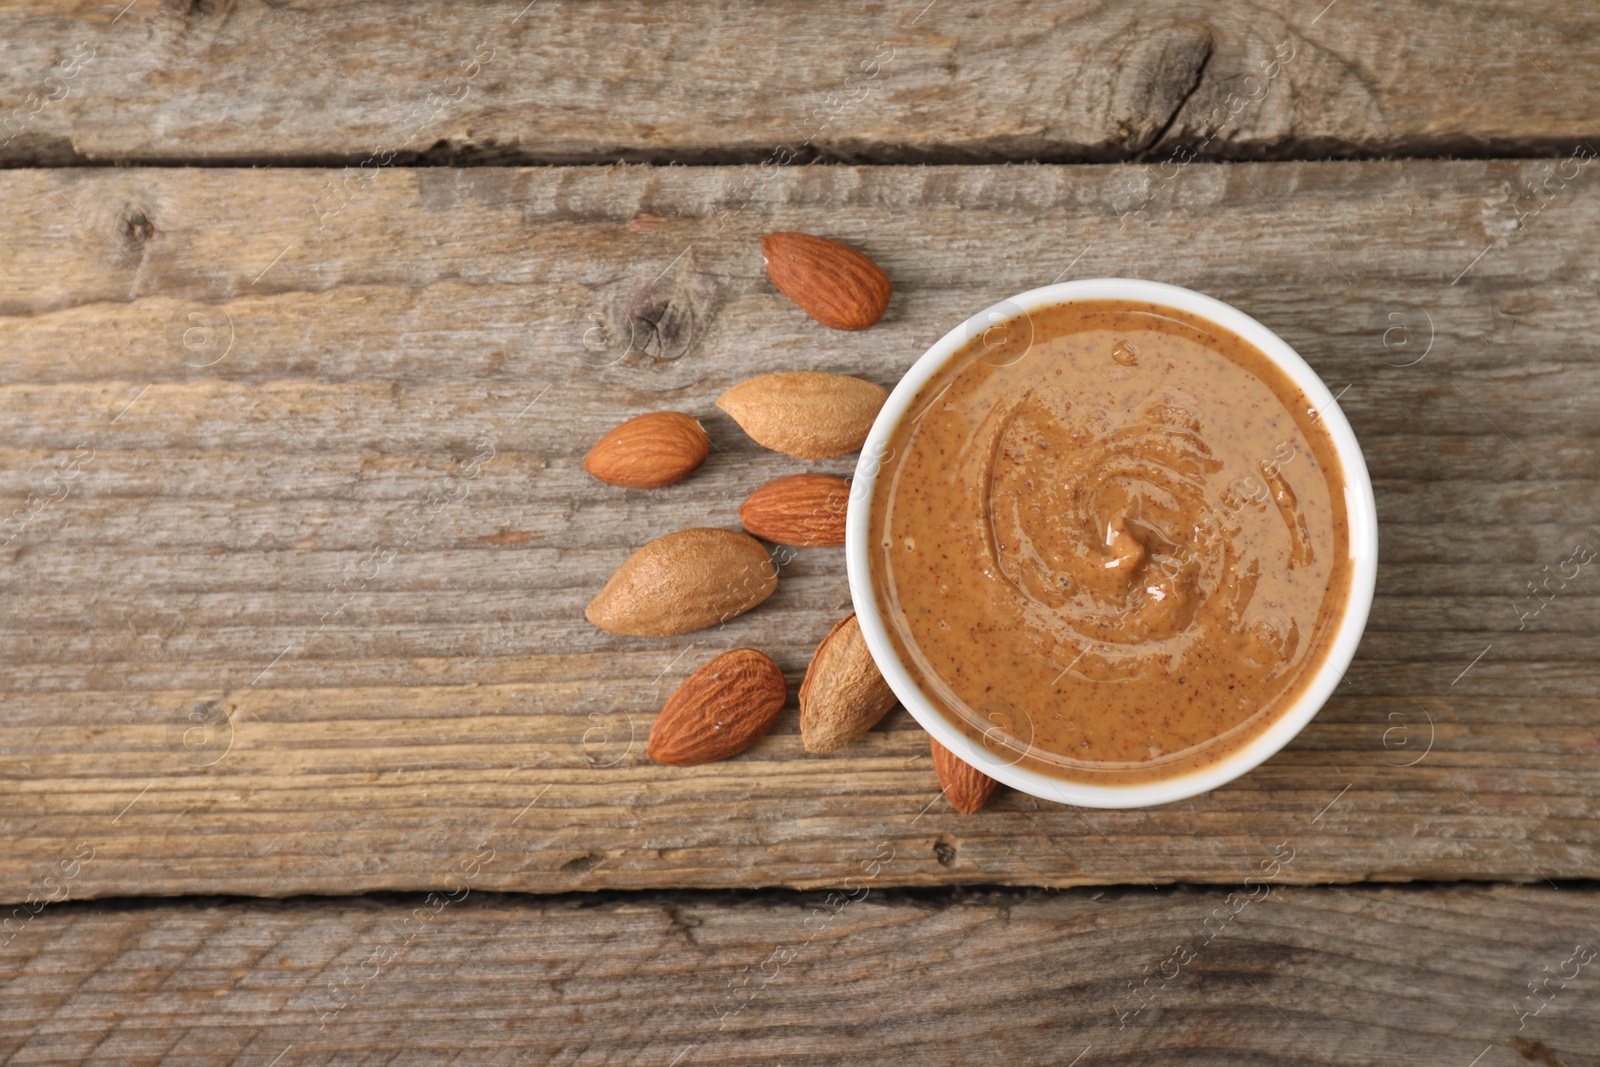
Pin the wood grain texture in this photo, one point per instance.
(297, 540)
(1265, 975)
(594, 81)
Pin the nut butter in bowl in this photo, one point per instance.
(1112, 542)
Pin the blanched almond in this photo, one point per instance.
(807, 414)
(843, 695)
(685, 581)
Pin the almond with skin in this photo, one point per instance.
(649, 451)
(807, 414)
(832, 282)
(967, 788)
(685, 581)
(802, 509)
(720, 710)
(843, 695)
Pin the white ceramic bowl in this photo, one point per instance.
(1010, 315)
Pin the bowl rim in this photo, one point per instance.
(1360, 507)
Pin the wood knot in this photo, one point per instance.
(660, 320)
(137, 227)
(1156, 79)
(189, 9)
(663, 324)
(581, 864)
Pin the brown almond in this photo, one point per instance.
(801, 509)
(832, 282)
(720, 710)
(843, 695)
(807, 414)
(966, 787)
(649, 451)
(685, 581)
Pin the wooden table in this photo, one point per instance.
(311, 310)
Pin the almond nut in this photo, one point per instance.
(720, 710)
(833, 283)
(802, 509)
(807, 414)
(843, 695)
(966, 787)
(649, 451)
(685, 581)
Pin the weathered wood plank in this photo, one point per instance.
(568, 81)
(361, 533)
(1264, 975)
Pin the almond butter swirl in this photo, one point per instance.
(1116, 556)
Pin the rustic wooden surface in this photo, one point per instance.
(1431, 975)
(356, 542)
(316, 81)
(294, 543)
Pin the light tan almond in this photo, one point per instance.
(832, 282)
(649, 451)
(843, 695)
(720, 710)
(802, 509)
(966, 787)
(805, 413)
(685, 581)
